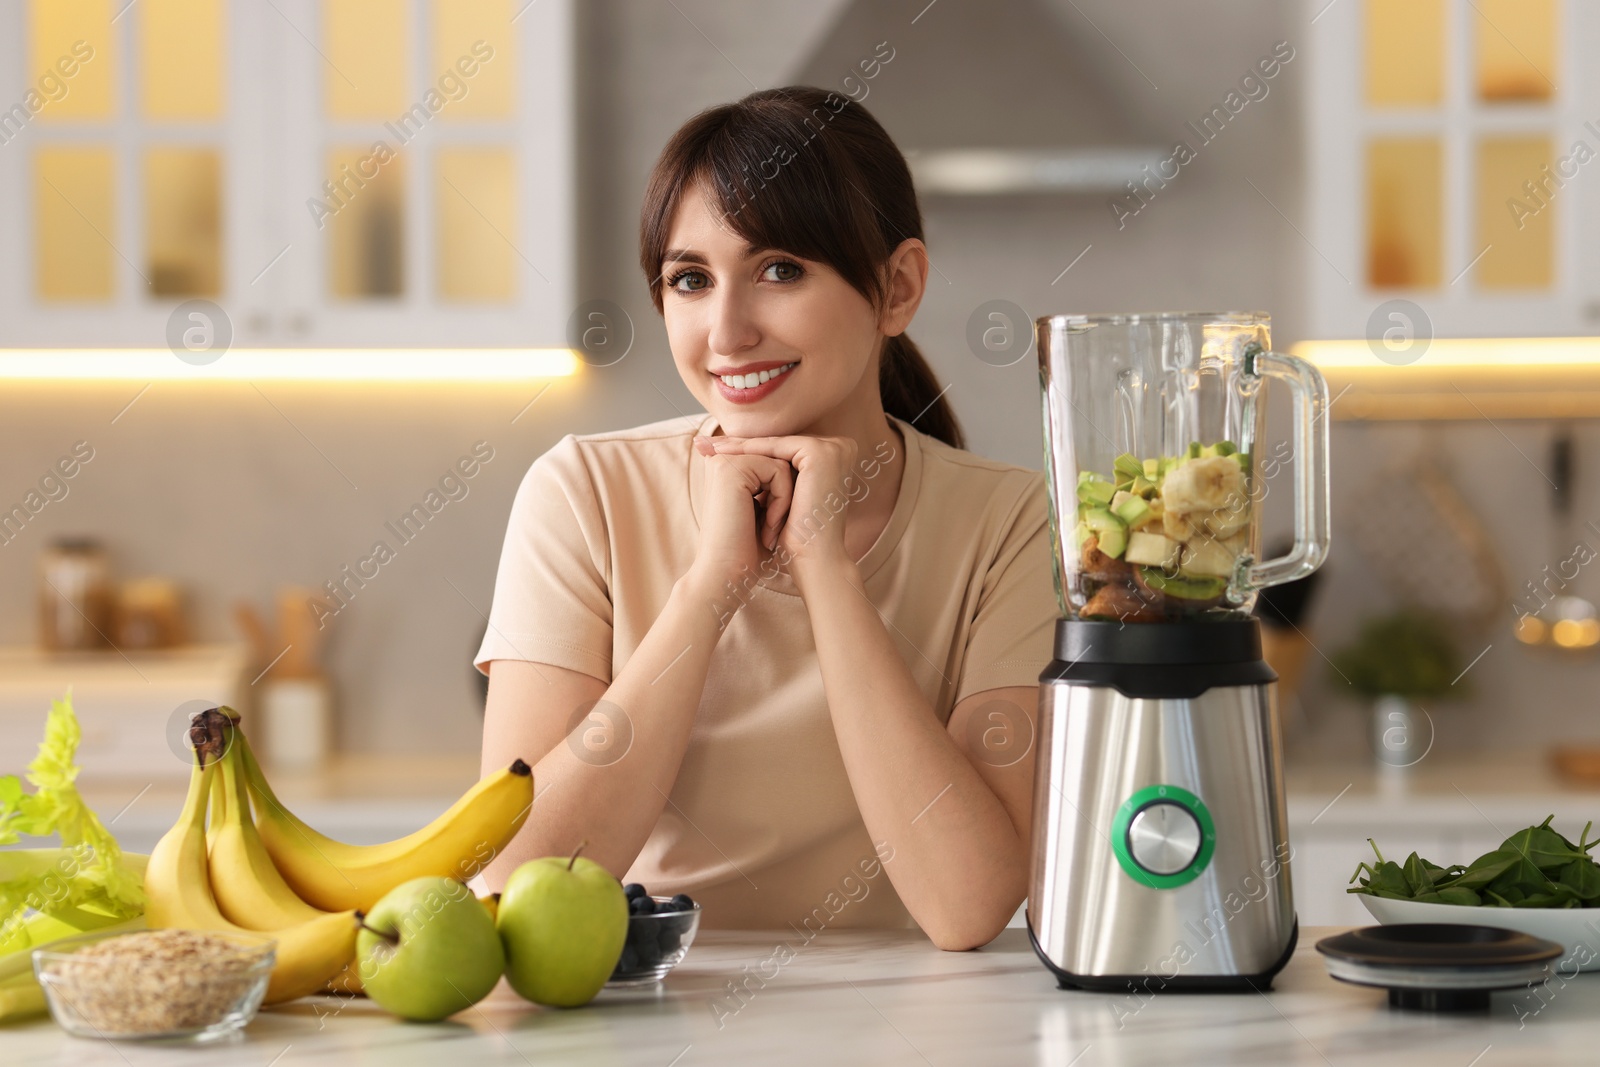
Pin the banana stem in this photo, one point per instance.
(575, 852)
(209, 734)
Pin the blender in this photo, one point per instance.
(1160, 853)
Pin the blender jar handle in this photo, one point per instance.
(1309, 391)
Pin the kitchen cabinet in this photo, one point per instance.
(1450, 809)
(380, 173)
(1325, 859)
(132, 708)
(1448, 149)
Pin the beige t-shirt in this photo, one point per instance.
(763, 828)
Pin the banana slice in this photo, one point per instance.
(1206, 494)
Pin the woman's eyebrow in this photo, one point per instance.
(690, 255)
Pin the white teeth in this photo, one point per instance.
(754, 378)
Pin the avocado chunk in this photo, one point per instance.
(1098, 519)
(1182, 588)
(1132, 511)
(1110, 533)
(1152, 550)
(1112, 542)
(1221, 448)
(1127, 467)
(1095, 491)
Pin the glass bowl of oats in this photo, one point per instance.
(155, 983)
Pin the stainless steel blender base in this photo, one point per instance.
(1147, 983)
(1160, 853)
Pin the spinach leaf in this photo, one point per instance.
(1583, 876)
(1536, 867)
(1417, 875)
(1486, 868)
(1460, 895)
(1542, 846)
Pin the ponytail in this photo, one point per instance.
(911, 393)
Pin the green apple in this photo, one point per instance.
(563, 921)
(428, 949)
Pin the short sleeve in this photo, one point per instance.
(1012, 637)
(552, 602)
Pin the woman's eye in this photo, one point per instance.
(688, 281)
(781, 272)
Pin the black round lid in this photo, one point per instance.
(1438, 966)
(1438, 945)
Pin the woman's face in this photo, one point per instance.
(734, 310)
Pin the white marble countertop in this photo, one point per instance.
(866, 997)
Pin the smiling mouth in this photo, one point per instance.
(754, 378)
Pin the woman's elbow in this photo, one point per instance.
(968, 931)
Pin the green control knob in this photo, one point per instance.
(1163, 836)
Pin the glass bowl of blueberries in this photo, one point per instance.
(660, 931)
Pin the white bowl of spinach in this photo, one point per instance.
(1537, 881)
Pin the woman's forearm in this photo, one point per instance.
(608, 785)
(959, 865)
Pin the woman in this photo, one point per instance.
(782, 657)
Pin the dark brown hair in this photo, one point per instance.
(811, 173)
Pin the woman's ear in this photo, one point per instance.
(907, 276)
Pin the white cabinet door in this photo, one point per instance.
(140, 187)
(1428, 141)
(433, 207)
(132, 159)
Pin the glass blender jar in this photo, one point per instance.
(1157, 467)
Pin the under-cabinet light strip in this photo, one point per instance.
(290, 364)
(1452, 353)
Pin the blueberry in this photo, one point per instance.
(629, 960)
(634, 890)
(649, 954)
(645, 905)
(680, 902)
(671, 938)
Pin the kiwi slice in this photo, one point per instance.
(1182, 588)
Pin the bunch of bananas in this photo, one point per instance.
(258, 868)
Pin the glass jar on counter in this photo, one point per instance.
(76, 598)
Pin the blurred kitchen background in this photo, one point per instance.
(381, 204)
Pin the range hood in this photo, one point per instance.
(1001, 171)
(990, 99)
